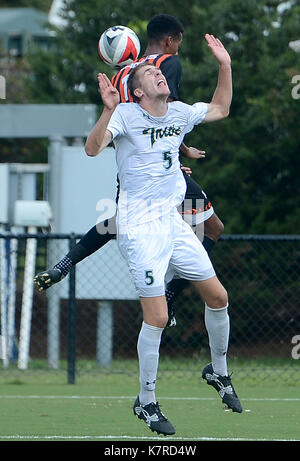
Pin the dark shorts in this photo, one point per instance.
(196, 206)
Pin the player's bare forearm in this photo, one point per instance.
(221, 100)
(99, 137)
(223, 93)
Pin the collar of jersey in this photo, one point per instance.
(152, 117)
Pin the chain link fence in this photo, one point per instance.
(88, 323)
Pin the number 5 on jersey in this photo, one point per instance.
(149, 278)
(167, 160)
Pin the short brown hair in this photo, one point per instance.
(133, 80)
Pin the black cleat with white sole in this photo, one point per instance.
(171, 313)
(224, 387)
(153, 417)
(171, 309)
(46, 279)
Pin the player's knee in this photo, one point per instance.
(219, 228)
(156, 318)
(160, 320)
(219, 299)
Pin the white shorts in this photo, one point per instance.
(161, 249)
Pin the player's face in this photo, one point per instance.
(174, 44)
(153, 82)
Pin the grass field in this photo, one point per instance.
(102, 411)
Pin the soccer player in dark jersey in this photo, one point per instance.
(164, 34)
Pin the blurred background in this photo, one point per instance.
(48, 56)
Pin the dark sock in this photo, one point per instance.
(93, 240)
(90, 242)
(174, 288)
(208, 244)
(64, 265)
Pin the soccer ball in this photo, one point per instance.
(119, 46)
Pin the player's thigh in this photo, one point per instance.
(147, 251)
(213, 227)
(212, 292)
(155, 311)
(108, 226)
(189, 258)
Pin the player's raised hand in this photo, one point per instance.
(218, 50)
(109, 94)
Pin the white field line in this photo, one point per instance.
(133, 438)
(130, 397)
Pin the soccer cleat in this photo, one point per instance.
(171, 313)
(172, 322)
(171, 309)
(224, 387)
(153, 417)
(46, 279)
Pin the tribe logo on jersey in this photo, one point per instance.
(159, 133)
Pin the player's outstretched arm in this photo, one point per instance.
(220, 103)
(100, 137)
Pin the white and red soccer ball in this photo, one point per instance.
(119, 46)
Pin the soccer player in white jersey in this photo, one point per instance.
(152, 236)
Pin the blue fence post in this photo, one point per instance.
(72, 320)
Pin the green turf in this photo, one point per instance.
(86, 411)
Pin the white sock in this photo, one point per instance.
(217, 325)
(148, 353)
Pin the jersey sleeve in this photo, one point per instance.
(171, 68)
(116, 124)
(196, 114)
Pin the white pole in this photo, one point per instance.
(53, 295)
(12, 295)
(53, 298)
(105, 333)
(3, 299)
(25, 327)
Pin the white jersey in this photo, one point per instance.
(147, 154)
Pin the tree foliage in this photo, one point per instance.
(251, 169)
(43, 5)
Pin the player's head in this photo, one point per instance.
(165, 30)
(146, 80)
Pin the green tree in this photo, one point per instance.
(250, 172)
(43, 5)
(252, 164)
